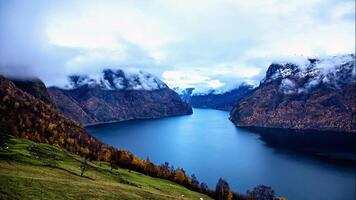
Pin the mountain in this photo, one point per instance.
(214, 99)
(117, 96)
(315, 94)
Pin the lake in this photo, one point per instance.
(210, 146)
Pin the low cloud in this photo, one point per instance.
(107, 79)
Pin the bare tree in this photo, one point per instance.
(83, 167)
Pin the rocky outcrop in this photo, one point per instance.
(316, 95)
(117, 96)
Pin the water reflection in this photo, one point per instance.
(328, 146)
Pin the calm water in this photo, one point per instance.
(210, 146)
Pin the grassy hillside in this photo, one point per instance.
(30, 170)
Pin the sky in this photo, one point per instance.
(206, 44)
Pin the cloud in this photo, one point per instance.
(206, 43)
(179, 78)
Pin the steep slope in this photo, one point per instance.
(117, 96)
(318, 94)
(220, 101)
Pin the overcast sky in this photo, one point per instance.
(203, 44)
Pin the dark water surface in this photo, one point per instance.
(210, 146)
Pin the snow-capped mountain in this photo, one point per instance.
(116, 96)
(216, 99)
(316, 94)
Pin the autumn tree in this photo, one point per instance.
(179, 176)
(138, 164)
(125, 158)
(150, 168)
(261, 192)
(84, 152)
(105, 154)
(222, 190)
(166, 171)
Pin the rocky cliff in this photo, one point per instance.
(117, 96)
(316, 94)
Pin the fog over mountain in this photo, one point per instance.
(333, 71)
(208, 45)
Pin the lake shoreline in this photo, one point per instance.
(134, 119)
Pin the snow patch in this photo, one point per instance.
(288, 86)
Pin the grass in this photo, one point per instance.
(30, 170)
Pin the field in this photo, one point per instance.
(30, 170)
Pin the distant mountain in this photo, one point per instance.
(184, 94)
(214, 99)
(117, 96)
(317, 94)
